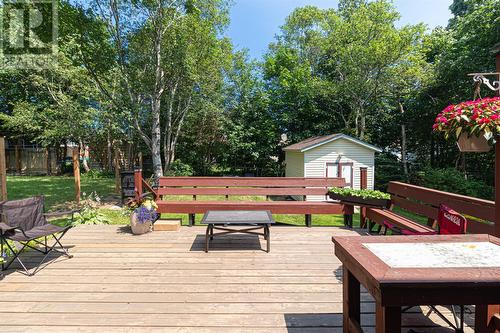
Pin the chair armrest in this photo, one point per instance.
(61, 213)
(6, 228)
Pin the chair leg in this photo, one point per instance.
(15, 257)
(459, 320)
(57, 242)
(436, 311)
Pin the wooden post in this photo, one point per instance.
(76, 173)
(138, 183)
(3, 171)
(489, 312)
(117, 170)
(497, 164)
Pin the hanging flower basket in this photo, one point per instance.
(474, 123)
(472, 143)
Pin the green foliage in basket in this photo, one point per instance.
(365, 194)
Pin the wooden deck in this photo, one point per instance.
(164, 282)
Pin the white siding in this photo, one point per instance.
(294, 164)
(315, 161)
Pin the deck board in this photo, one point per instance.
(164, 282)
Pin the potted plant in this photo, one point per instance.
(474, 123)
(143, 216)
(364, 197)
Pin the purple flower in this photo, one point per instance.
(145, 215)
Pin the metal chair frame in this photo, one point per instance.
(26, 244)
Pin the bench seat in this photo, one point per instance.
(380, 216)
(276, 207)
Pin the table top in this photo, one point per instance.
(437, 255)
(424, 258)
(401, 270)
(235, 217)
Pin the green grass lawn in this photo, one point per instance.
(57, 190)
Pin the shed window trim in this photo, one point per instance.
(339, 171)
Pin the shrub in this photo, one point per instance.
(177, 168)
(452, 180)
(90, 214)
(97, 174)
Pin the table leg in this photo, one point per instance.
(352, 301)
(483, 317)
(211, 231)
(387, 319)
(207, 238)
(268, 237)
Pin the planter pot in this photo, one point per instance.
(358, 201)
(139, 228)
(473, 143)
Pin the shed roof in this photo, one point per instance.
(317, 141)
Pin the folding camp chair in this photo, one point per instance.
(23, 221)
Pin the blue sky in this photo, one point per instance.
(254, 23)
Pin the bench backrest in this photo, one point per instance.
(425, 201)
(242, 186)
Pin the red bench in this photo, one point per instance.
(425, 202)
(246, 186)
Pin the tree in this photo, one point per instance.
(166, 54)
(333, 70)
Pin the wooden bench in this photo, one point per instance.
(425, 202)
(246, 186)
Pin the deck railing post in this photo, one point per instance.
(138, 183)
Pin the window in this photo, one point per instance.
(340, 170)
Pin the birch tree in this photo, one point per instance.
(163, 52)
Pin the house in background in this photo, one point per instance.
(336, 155)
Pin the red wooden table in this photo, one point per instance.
(397, 278)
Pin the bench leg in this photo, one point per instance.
(308, 220)
(191, 219)
(362, 218)
(348, 220)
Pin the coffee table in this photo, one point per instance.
(225, 221)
